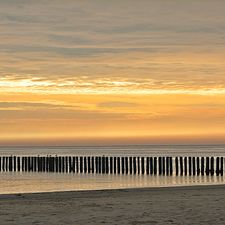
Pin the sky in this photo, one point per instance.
(112, 72)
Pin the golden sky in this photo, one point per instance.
(112, 72)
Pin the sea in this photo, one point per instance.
(33, 182)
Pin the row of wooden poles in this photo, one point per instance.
(114, 165)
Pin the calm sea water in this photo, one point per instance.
(46, 182)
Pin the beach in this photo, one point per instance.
(174, 205)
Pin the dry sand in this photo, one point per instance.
(180, 205)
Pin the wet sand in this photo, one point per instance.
(177, 205)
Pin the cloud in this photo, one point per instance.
(31, 106)
(117, 104)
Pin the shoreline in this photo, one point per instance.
(197, 186)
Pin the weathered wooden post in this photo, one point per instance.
(103, 164)
(26, 164)
(185, 166)
(151, 165)
(23, 162)
(66, 164)
(177, 166)
(34, 163)
(111, 164)
(122, 165)
(74, 164)
(131, 165)
(85, 164)
(221, 166)
(147, 165)
(63, 164)
(198, 166)
(114, 166)
(160, 165)
(100, 164)
(181, 166)
(142, 165)
(217, 166)
(163, 165)
(57, 164)
(18, 163)
(155, 165)
(189, 165)
(43, 164)
(138, 165)
(167, 165)
(135, 165)
(202, 166)
(10, 163)
(207, 166)
(81, 164)
(194, 166)
(107, 165)
(0, 163)
(126, 165)
(171, 166)
(77, 164)
(89, 164)
(93, 164)
(60, 164)
(96, 165)
(14, 164)
(118, 165)
(212, 166)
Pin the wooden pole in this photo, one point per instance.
(93, 164)
(189, 165)
(181, 166)
(217, 166)
(155, 165)
(114, 166)
(18, 163)
(160, 165)
(163, 165)
(177, 166)
(198, 166)
(111, 165)
(185, 166)
(122, 165)
(118, 165)
(126, 165)
(89, 164)
(14, 164)
(96, 165)
(151, 165)
(85, 164)
(202, 166)
(138, 165)
(81, 164)
(131, 165)
(147, 165)
(171, 166)
(135, 165)
(194, 166)
(212, 166)
(167, 165)
(142, 165)
(107, 165)
(221, 166)
(207, 166)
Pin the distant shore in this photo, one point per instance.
(173, 205)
